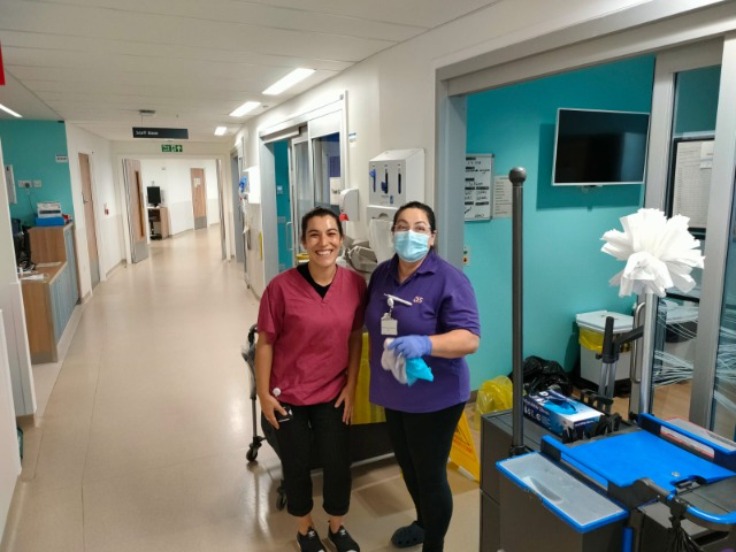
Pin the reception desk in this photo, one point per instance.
(51, 292)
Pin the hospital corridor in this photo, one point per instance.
(140, 442)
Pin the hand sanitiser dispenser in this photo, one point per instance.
(394, 178)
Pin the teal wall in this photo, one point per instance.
(31, 147)
(565, 272)
(283, 202)
(696, 102)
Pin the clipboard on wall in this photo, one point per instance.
(690, 176)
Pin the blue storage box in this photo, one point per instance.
(50, 221)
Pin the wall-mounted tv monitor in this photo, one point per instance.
(154, 195)
(596, 147)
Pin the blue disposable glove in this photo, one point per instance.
(416, 369)
(411, 346)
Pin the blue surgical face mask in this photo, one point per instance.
(411, 246)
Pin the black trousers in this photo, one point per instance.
(422, 444)
(317, 435)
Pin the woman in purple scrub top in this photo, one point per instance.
(421, 307)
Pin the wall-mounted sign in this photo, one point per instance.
(172, 148)
(502, 197)
(61, 158)
(177, 133)
(478, 171)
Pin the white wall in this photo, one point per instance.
(109, 213)
(13, 315)
(174, 178)
(9, 454)
(391, 96)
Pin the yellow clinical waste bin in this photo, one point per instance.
(592, 325)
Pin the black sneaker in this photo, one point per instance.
(309, 542)
(342, 540)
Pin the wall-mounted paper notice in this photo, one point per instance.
(478, 174)
(502, 197)
(693, 167)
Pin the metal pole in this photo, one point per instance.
(651, 304)
(517, 175)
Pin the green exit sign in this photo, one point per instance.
(172, 148)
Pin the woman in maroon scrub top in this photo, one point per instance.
(307, 359)
(428, 308)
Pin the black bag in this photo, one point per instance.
(541, 374)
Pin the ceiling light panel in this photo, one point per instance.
(10, 111)
(296, 76)
(244, 109)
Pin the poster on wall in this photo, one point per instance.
(478, 174)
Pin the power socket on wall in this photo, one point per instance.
(24, 183)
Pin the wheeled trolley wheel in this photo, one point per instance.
(252, 453)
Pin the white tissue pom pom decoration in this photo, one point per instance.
(660, 253)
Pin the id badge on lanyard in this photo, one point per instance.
(389, 325)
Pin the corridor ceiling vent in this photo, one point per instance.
(147, 112)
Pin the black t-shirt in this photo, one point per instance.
(304, 271)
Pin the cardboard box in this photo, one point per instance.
(562, 415)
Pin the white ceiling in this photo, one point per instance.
(98, 62)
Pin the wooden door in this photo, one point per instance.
(137, 217)
(199, 198)
(89, 218)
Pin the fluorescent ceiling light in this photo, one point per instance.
(247, 107)
(10, 111)
(296, 76)
(220, 131)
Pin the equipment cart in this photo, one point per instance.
(369, 436)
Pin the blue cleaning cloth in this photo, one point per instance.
(416, 369)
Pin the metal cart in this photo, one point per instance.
(249, 355)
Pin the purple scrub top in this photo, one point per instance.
(442, 300)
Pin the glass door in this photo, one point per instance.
(327, 159)
(724, 395)
(688, 183)
(302, 192)
(283, 204)
(691, 360)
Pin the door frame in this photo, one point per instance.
(204, 200)
(293, 186)
(640, 30)
(669, 64)
(288, 129)
(93, 222)
(138, 249)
